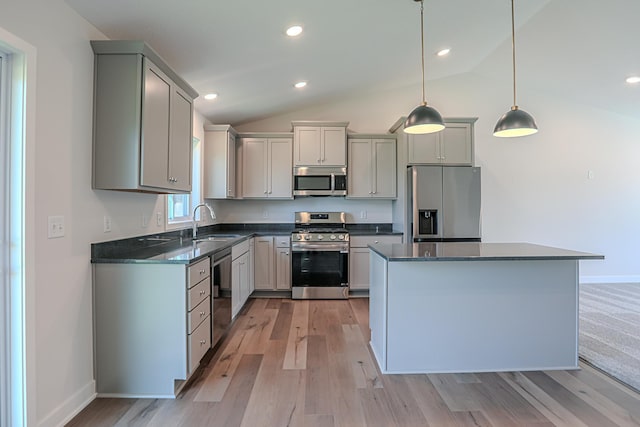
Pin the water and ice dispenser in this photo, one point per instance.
(427, 222)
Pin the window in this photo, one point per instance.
(180, 206)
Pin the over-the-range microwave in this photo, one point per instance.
(319, 181)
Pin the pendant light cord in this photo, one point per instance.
(424, 102)
(513, 53)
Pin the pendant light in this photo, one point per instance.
(515, 122)
(423, 118)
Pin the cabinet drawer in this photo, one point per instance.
(198, 271)
(198, 314)
(199, 293)
(283, 241)
(239, 249)
(364, 241)
(199, 343)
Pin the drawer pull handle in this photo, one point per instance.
(202, 314)
(203, 342)
(202, 271)
(203, 292)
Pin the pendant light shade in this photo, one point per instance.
(515, 122)
(423, 119)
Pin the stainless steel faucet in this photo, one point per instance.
(195, 223)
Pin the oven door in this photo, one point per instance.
(317, 265)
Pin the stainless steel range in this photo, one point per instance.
(320, 256)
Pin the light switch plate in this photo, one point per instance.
(55, 227)
(107, 224)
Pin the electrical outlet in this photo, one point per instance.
(159, 219)
(107, 224)
(363, 214)
(144, 221)
(265, 214)
(56, 227)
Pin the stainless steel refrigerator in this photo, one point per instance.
(444, 203)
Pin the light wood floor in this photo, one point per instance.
(307, 363)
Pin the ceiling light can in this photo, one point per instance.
(633, 79)
(443, 52)
(294, 31)
(210, 96)
(300, 85)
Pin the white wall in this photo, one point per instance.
(64, 353)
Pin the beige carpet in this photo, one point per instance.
(610, 329)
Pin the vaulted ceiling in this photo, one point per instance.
(579, 49)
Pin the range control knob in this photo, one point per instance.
(307, 237)
(320, 237)
(299, 236)
(333, 237)
(341, 237)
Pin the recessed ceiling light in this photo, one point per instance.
(443, 52)
(300, 85)
(296, 30)
(633, 79)
(211, 96)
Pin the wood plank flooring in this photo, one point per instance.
(308, 364)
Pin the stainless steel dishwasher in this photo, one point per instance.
(221, 301)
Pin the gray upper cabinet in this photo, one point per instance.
(219, 162)
(372, 166)
(319, 143)
(453, 146)
(266, 166)
(142, 124)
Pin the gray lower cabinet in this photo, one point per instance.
(143, 118)
(272, 263)
(152, 326)
(240, 276)
(359, 258)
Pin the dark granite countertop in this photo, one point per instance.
(177, 247)
(476, 251)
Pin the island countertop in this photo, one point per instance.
(476, 251)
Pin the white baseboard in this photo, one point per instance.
(609, 279)
(70, 407)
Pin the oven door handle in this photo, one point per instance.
(310, 247)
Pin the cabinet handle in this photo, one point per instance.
(376, 242)
(202, 271)
(203, 292)
(203, 342)
(202, 314)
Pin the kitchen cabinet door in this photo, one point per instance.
(307, 146)
(333, 146)
(219, 162)
(456, 144)
(155, 127)
(181, 144)
(283, 269)
(359, 268)
(359, 170)
(255, 178)
(384, 173)
(263, 263)
(280, 168)
(236, 303)
(424, 148)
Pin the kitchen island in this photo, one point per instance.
(474, 307)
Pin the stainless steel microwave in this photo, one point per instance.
(319, 181)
